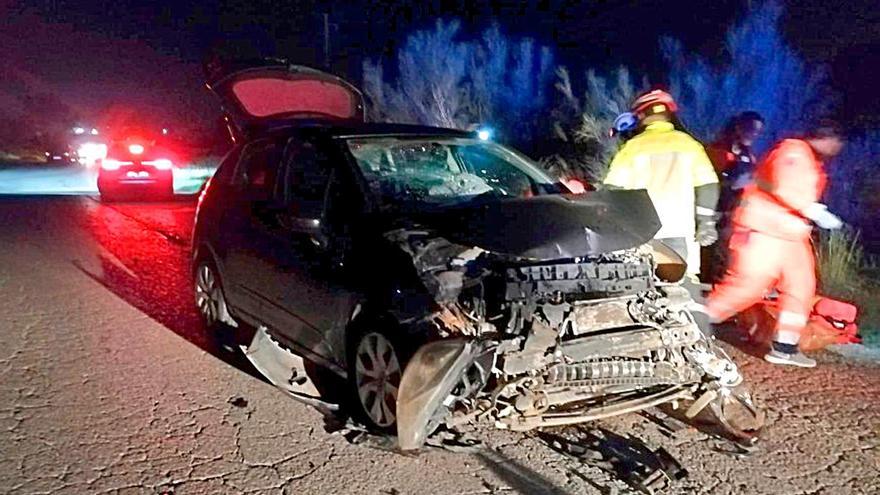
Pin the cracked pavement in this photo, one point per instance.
(110, 387)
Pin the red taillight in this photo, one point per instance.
(161, 164)
(135, 149)
(575, 186)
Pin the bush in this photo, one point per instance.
(844, 273)
(443, 81)
(840, 259)
(430, 88)
(761, 72)
(583, 148)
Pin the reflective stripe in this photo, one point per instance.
(792, 319)
(706, 212)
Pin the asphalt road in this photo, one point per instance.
(109, 386)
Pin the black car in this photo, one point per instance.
(446, 277)
(136, 168)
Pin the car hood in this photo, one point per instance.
(551, 227)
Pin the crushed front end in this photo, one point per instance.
(524, 344)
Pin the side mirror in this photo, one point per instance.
(312, 228)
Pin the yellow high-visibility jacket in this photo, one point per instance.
(669, 164)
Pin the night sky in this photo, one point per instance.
(145, 56)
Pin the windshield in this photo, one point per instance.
(444, 171)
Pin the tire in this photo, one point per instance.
(376, 360)
(211, 304)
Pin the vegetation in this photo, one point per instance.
(445, 81)
(584, 148)
(846, 273)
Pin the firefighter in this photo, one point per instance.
(770, 244)
(675, 170)
(678, 175)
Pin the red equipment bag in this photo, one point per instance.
(831, 322)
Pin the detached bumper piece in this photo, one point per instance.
(648, 471)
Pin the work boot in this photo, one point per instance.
(795, 358)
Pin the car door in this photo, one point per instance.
(247, 233)
(311, 269)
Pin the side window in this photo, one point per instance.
(257, 171)
(308, 169)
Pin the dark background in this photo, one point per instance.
(144, 56)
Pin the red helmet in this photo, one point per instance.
(654, 102)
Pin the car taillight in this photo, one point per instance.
(111, 164)
(161, 164)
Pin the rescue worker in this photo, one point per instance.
(735, 163)
(770, 245)
(678, 175)
(675, 170)
(733, 158)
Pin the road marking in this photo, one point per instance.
(116, 261)
(168, 236)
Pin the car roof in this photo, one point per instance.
(346, 129)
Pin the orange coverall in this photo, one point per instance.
(770, 246)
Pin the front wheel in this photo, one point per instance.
(375, 370)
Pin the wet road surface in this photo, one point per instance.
(110, 386)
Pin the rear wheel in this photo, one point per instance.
(211, 304)
(376, 365)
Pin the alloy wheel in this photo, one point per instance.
(208, 296)
(377, 377)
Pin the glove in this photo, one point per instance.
(819, 214)
(707, 234)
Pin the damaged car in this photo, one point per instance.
(446, 278)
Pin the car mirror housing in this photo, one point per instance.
(312, 227)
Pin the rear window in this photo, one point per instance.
(137, 151)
